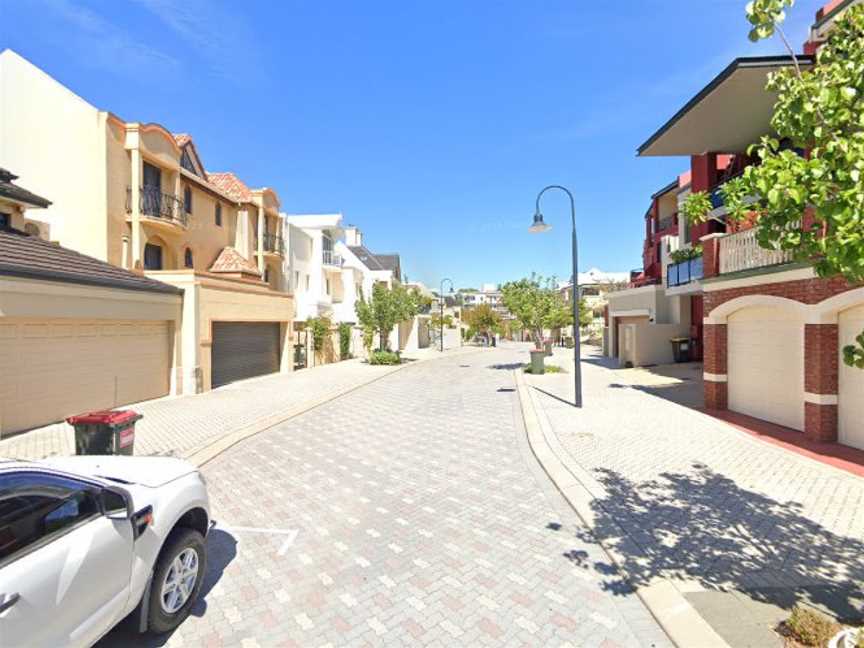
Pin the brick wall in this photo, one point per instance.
(821, 352)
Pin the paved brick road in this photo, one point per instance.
(421, 519)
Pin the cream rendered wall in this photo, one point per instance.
(39, 115)
(209, 299)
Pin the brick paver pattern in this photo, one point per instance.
(703, 502)
(422, 520)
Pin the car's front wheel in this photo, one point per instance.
(177, 579)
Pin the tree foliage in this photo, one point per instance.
(537, 304)
(482, 319)
(320, 329)
(386, 308)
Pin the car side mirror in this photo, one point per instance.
(116, 503)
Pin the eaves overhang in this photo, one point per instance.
(729, 114)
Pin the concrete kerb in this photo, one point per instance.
(202, 455)
(681, 622)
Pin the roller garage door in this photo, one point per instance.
(51, 369)
(243, 350)
(766, 365)
(850, 398)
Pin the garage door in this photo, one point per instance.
(766, 365)
(53, 369)
(851, 394)
(243, 350)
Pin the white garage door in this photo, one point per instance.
(766, 365)
(851, 395)
(53, 369)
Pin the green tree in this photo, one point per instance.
(482, 319)
(386, 308)
(320, 328)
(820, 111)
(537, 304)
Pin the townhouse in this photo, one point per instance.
(76, 333)
(771, 331)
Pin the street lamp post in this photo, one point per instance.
(537, 227)
(441, 306)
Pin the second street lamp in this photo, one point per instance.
(441, 305)
(537, 227)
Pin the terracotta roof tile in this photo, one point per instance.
(231, 261)
(231, 185)
(182, 138)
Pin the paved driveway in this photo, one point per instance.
(409, 512)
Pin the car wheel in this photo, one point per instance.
(177, 580)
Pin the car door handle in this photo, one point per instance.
(8, 600)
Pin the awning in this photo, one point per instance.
(728, 115)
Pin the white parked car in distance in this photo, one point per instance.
(87, 541)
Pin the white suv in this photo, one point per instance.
(85, 541)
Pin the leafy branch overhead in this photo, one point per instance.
(813, 163)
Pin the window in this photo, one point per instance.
(296, 280)
(307, 282)
(152, 257)
(187, 200)
(267, 275)
(327, 285)
(5, 220)
(219, 214)
(37, 507)
(187, 258)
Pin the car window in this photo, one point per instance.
(35, 507)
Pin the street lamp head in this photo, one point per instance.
(538, 225)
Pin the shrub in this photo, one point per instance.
(550, 369)
(384, 358)
(344, 341)
(810, 627)
(319, 327)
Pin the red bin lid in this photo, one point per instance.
(110, 417)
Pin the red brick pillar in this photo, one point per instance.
(711, 254)
(821, 357)
(716, 393)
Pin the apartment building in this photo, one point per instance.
(76, 333)
(139, 197)
(773, 331)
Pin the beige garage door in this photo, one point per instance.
(53, 369)
(851, 395)
(766, 365)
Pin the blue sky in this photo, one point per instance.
(430, 125)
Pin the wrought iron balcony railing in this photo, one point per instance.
(273, 243)
(332, 259)
(152, 203)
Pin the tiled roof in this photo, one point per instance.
(22, 255)
(231, 185)
(182, 138)
(8, 189)
(389, 261)
(366, 257)
(231, 261)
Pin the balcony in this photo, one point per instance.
(330, 258)
(158, 206)
(680, 274)
(741, 251)
(666, 223)
(273, 244)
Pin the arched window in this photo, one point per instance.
(187, 258)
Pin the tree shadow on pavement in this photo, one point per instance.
(221, 551)
(703, 527)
